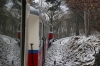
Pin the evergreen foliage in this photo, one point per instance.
(9, 18)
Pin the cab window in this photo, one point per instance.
(40, 33)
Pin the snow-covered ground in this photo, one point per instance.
(73, 51)
(9, 51)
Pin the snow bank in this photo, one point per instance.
(7, 39)
(73, 51)
(9, 51)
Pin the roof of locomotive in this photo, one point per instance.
(34, 11)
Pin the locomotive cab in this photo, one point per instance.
(50, 38)
(50, 35)
(34, 37)
(18, 32)
(36, 47)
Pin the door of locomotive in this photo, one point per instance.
(44, 42)
(45, 39)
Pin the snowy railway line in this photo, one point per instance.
(73, 51)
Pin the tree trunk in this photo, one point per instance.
(4, 28)
(51, 19)
(88, 23)
(57, 33)
(77, 24)
(85, 24)
(68, 29)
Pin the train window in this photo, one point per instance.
(45, 31)
(18, 27)
(40, 33)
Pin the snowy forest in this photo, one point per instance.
(76, 28)
(10, 17)
(67, 17)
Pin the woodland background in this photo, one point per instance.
(68, 17)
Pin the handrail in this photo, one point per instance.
(32, 54)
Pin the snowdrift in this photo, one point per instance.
(9, 51)
(73, 51)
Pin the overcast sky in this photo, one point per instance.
(36, 0)
(9, 4)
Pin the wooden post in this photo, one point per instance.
(12, 62)
(54, 62)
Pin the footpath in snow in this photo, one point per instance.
(73, 51)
